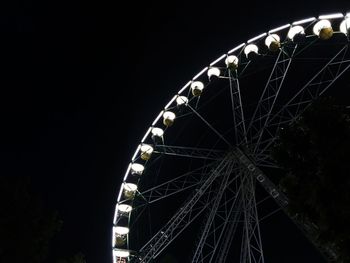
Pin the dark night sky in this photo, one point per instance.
(81, 81)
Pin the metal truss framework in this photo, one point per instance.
(224, 189)
(210, 241)
(316, 86)
(190, 152)
(185, 215)
(237, 109)
(237, 173)
(270, 93)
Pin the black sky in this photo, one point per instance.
(82, 80)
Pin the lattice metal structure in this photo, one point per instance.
(202, 174)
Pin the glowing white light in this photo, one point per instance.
(197, 85)
(137, 168)
(115, 214)
(197, 88)
(200, 73)
(146, 148)
(157, 119)
(170, 102)
(113, 238)
(120, 192)
(272, 38)
(184, 87)
(345, 26)
(250, 48)
(158, 132)
(130, 187)
(136, 153)
(231, 60)
(168, 118)
(169, 115)
(256, 38)
(146, 134)
(322, 24)
(120, 230)
(125, 176)
(124, 208)
(295, 30)
(304, 21)
(121, 253)
(278, 28)
(217, 60)
(236, 48)
(127, 172)
(331, 16)
(181, 100)
(146, 152)
(213, 72)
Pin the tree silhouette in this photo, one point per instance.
(76, 258)
(168, 258)
(315, 153)
(26, 227)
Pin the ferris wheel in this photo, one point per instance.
(200, 183)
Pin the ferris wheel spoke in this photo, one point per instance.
(269, 165)
(176, 185)
(264, 160)
(251, 250)
(185, 215)
(211, 127)
(319, 83)
(270, 214)
(242, 71)
(270, 93)
(220, 186)
(190, 152)
(237, 110)
(264, 181)
(316, 86)
(264, 149)
(282, 201)
(232, 225)
(227, 214)
(200, 255)
(271, 89)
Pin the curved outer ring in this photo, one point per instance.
(237, 49)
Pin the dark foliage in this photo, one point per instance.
(26, 226)
(76, 258)
(315, 152)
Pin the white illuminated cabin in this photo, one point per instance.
(168, 118)
(296, 32)
(157, 135)
(232, 62)
(197, 88)
(181, 101)
(129, 190)
(146, 151)
(323, 29)
(213, 73)
(345, 25)
(273, 42)
(137, 168)
(251, 51)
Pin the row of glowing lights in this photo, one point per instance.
(272, 41)
(323, 29)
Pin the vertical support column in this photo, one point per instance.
(237, 109)
(252, 251)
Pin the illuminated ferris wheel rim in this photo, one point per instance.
(321, 27)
